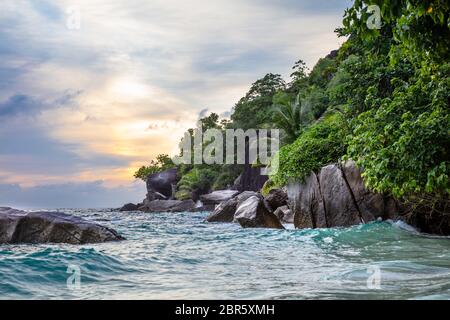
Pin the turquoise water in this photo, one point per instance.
(178, 256)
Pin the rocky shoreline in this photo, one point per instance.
(334, 197)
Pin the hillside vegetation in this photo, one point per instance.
(382, 99)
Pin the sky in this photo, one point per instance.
(92, 90)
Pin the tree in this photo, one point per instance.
(401, 137)
(290, 116)
(254, 110)
(163, 162)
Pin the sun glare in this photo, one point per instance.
(129, 88)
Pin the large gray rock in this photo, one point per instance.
(252, 213)
(284, 214)
(307, 204)
(153, 195)
(276, 198)
(168, 206)
(225, 211)
(18, 226)
(370, 204)
(218, 196)
(162, 183)
(335, 197)
(341, 208)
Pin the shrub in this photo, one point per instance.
(322, 143)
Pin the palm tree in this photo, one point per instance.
(292, 117)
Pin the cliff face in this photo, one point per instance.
(336, 197)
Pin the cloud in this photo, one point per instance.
(203, 113)
(20, 103)
(69, 195)
(94, 104)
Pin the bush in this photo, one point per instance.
(163, 162)
(322, 143)
(403, 145)
(198, 180)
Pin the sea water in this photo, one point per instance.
(179, 256)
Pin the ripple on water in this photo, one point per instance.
(181, 256)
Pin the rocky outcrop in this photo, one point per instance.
(276, 198)
(18, 226)
(284, 214)
(153, 195)
(337, 197)
(162, 183)
(129, 207)
(370, 205)
(225, 211)
(250, 179)
(217, 197)
(168, 206)
(252, 213)
(307, 204)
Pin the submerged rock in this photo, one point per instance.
(252, 213)
(18, 226)
(129, 207)
(168, 206)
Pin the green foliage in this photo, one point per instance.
(198, 180)
(403, 144)
(268, 185)
(383, 101)
(226, 176)
(316, 102)
(321, 144)
(322, 72)
(299, 78)
(254, 110)
(163, 162)
(400, 131)
(211, 122)
(420, 29)
(291, 116)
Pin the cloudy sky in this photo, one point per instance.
(84, 102)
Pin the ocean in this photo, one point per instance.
(179, 256)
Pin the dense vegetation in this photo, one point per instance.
(382, 99)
